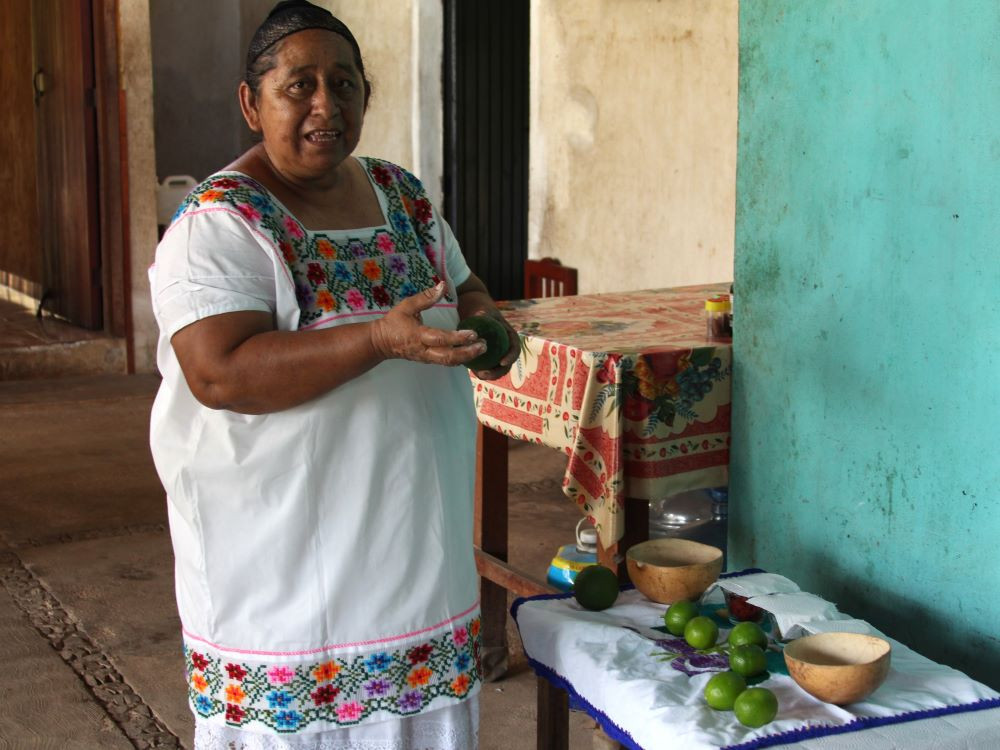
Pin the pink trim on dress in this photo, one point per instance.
(234, 212)
(308, 652)
(328, 318)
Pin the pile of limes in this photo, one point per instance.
(727, 691)
(753, 706)
(746, 649)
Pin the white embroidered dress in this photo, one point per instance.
(325, 578)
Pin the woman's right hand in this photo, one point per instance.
(401, 334)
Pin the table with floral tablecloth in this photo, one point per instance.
(628, 385)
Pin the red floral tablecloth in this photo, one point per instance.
(628, 385)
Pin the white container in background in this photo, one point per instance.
(169, 195)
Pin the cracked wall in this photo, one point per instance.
(633, 140)
(866, 321)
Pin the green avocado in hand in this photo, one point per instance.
(494, 334)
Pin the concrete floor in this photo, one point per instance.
(89, 635)
(33, 346)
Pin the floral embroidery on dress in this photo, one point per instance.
(358, 271)
(343, 691)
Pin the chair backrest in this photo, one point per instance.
(548, 278)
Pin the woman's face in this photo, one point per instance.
(310, 106)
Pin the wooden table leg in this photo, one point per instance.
(490, 535)
(636, 530)
(553, 717)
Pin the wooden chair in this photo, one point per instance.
(548, 278)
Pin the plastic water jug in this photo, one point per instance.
(169, 195)
(572, 558)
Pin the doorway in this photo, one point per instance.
(62, 253)
(486, 137)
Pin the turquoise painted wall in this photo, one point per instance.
(866, 462)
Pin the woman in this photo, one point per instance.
(315, 445)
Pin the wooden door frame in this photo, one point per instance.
(112, 175)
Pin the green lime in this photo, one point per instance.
(745, 633)
(723, 689)
(701, 632)
(493, 333)
(755, 707)
(677, 616)
(595, 587)
(748, 660)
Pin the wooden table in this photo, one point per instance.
(630, 388)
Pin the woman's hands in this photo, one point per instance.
(238, 361)
(401, 334)
(473, 299)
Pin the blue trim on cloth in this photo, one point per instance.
(611, 729)
(744, 572)
(625, 587)
(862, 722)
(618, 734)
(543, 597)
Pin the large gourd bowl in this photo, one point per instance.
(838, 668)
(668, 570)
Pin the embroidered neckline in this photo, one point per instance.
(365, 167)
(350, 272)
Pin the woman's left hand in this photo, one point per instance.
(474, 299)
(513, 351)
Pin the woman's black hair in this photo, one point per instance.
(288, 17)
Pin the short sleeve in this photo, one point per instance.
(458, 269)
(210, 263)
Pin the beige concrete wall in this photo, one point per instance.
(633, 139)
(136, 76)
(401, 42)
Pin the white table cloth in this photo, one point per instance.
(607, 662)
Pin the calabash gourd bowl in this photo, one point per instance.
(838, 668)
(668, 570)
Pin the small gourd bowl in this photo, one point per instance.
(668, 570)
(838, 668)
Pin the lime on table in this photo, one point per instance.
(755, 707)
(748, 660)
(746, 633)
(723, 689)
(595, 587)
(701, 632)
(493, 333)
(678, 615)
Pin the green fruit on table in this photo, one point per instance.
(755, 707)
(493, 333)
(595, 587)
(723, 689)
(746, 633)
(748, 660)
(701, 632)
(678, 615)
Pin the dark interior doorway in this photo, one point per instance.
(486, 137)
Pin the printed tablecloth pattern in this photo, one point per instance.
(628, 386)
